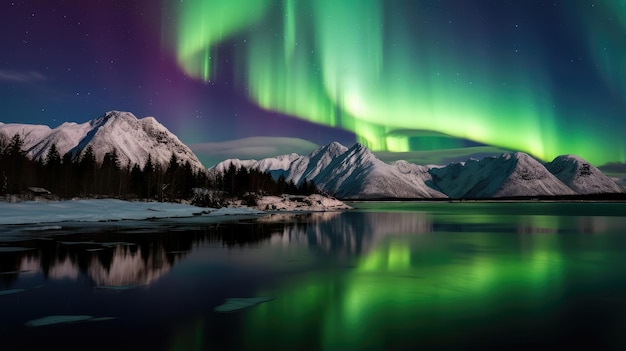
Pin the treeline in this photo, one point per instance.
(241, 181)
(66, 176)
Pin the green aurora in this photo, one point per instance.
(376, 68)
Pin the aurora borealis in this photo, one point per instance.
(546, 78)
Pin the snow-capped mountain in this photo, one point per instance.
(293, 167)
(347, 173)
(508, 175)
(356, 173)
(581, 176)
(133, 139)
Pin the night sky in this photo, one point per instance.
(258, 77)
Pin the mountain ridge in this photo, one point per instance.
(345, 172)
(508, 175)
(580, 175)
(356, 173)
(132, 138)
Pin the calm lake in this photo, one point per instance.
(383, 276)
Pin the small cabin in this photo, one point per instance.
(33, 193)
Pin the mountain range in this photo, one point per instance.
(133, 139)
(346, 173)
(356, 173)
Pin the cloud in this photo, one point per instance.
(250, 148)
(615, 169)
(441, 157)
(21, 77)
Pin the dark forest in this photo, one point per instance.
(65, 176)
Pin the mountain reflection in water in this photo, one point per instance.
(119, 258)
(140, 259)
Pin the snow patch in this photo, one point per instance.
(309, 203)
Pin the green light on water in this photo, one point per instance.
(405, 281)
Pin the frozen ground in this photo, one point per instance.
(289, 203)
(106, 210)
(101, 210)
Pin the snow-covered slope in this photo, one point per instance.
(357, 173)
(310, 167)
(581, 176)
(133, 139)
(29, 133)
(65, 137)
(293, 167)
(347, 173)
(509, 175)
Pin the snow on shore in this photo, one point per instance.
(95, 210)
(311, 203)
(100, 210)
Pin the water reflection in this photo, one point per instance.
(420, 276)
(121, 258)
(141, 259)
(469, 279)
(350, 233)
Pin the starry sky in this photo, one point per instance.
(423, 80)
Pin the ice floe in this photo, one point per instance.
(14, 249)
(120, 287)
(11, 291)
(238, 303)
(63, 319)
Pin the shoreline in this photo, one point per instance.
(52, 213)
(610, 197)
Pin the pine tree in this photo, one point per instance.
(149, 177)
(87, 170)
(4, 183)
(53, 169)
(109, 173)
(16, 159)
(172, 177)
(189, 180)
(229, 179)
(69, 176)
(159, 182)
(136, 181)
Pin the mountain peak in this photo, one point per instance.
(360, 149)
(509, 175)
(335, 148)
(133, 139)
(356, 173)
(348, 173)
(112, 116)
(581, 176)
